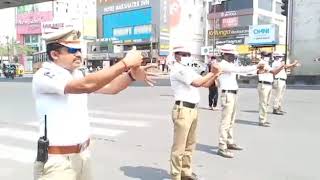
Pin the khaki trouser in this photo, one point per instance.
(64, 167)
(279, 89)
(228, 103)
(184, 141)
(264, 99)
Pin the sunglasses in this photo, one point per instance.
(183, 54)
(73, 50)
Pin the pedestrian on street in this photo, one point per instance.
(265, 86)
(185, 83)
(60, 91)
(229, 98)
(213, 89)
(279, 84)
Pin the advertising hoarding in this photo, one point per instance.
(260, 35)
(129, 25)
(30, 23)
(223, 33)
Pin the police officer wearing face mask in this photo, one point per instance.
(265, 86)
(279, 83)
(185, 83)
(229, 86)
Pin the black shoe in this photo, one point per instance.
(277, 112)
(192, 177)
(266, 124)
(234, 147)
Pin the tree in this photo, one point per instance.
(15, 49)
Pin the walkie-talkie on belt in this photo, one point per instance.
(43, 144)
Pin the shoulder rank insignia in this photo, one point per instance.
(49, 74)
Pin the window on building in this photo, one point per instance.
(34, 38)
(265, 4)
(278, 7)
(264, 20)
(233, 5)
(27, 39)
(31, 39)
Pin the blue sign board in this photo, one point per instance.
(264, 35)
(129, 25)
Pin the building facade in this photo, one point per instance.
(230, 21)
(143, 24)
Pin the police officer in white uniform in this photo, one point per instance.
(185, 83)
(265, 86)
(279, 83)
(60, 91)
(229, 87)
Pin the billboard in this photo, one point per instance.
(129, 25)
(114, 6)
(223, 33)
(260, 35)
(30, 23)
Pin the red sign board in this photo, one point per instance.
(230, 22)
(30, 23)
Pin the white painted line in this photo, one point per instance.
(127, 115)
(19, 134)
(17, 154)
(106, 132)
(119, 122)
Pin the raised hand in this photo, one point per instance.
(141, 74)
(133, 59)
(215, 68)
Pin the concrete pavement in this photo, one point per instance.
(133, 133)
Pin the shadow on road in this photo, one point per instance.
(253, 111)
(207, 148)
(245, 122)
(145, 173)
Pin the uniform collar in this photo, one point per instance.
(55, 67)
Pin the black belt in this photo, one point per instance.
(281, 79)
(230, 91)
(186, 104)
(265, 82)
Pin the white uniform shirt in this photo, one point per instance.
(181, 78)
(228, 78)
(268, 77)
(282, 74)
(67, 114)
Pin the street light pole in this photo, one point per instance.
(7, 37)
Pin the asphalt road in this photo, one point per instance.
(132, 134)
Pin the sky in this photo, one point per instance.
(7, 23)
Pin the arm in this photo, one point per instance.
(202, 80)
(98, 80)
(209, 79)
(123, 81)
(276, 70)
(116, 85)
(292, 65)
(239, 69)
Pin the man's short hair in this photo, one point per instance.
(53, 47)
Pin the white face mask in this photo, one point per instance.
(266, 59)
(186, 61)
